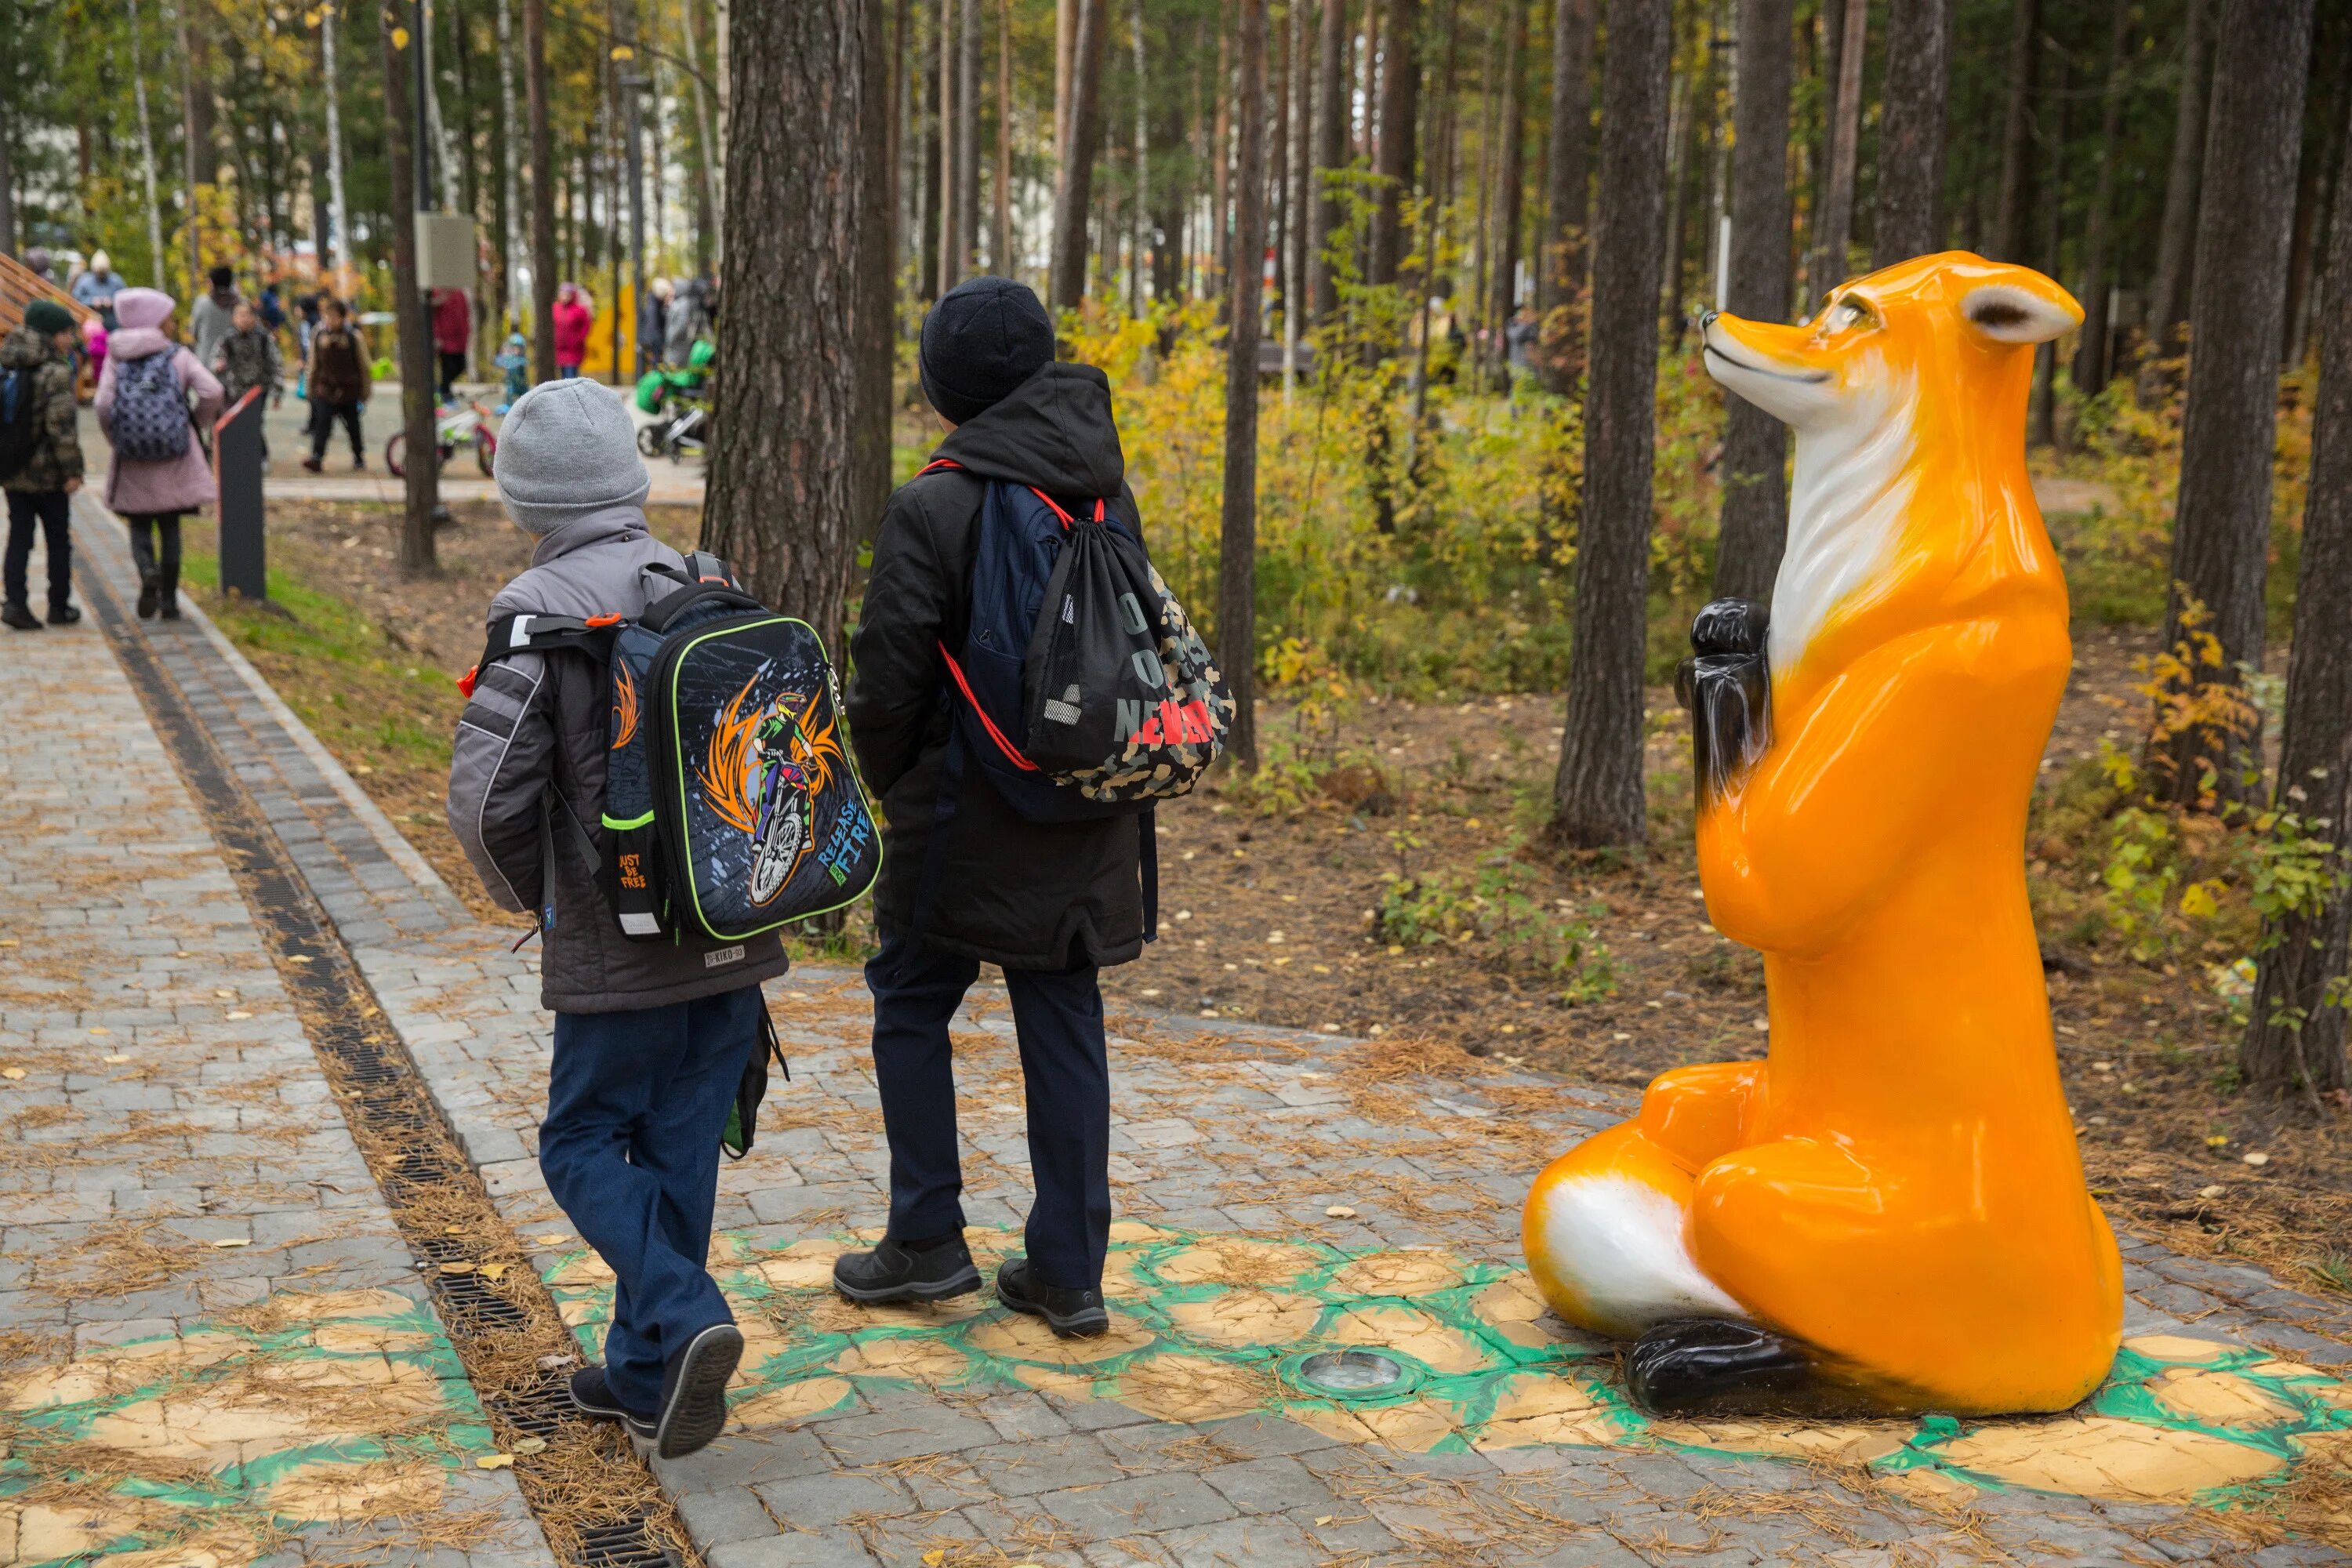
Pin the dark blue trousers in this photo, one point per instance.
(636, 1102)
(1059, 1019)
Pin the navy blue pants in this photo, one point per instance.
(636, 1102)
(1059, 1019)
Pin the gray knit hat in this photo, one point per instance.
(567, 449)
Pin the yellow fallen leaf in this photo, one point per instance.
(117, 1059)
(552, 1238)
(226, 1242)
(457, 1268)
(530, 1444)
(12, 1072)
(239, 1017)
(494, 1272)
(1323, 1519)
(2257, 1158)
(934, 1557)
(495, 1462)
(1338, 1211)
(100, 1029)
(2212, 1192)
(2217, 1141)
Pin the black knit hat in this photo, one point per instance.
(48, 318)
(985, 337)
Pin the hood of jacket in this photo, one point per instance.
(137, 342)
(1053, 431)
(25, 348)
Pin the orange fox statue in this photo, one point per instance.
(1888, 1213)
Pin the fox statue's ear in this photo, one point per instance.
(2009, 313)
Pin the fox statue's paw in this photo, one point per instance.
(1714, 1366)
(1727, 684)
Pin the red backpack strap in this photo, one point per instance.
(937, 464)
(1012, 753)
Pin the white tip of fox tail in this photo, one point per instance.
(1615, 1246)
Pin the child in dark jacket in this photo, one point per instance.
(1048, 903)
(41, 492)
(338, 376)
(249, 359)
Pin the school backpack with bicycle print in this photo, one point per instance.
(731, 804)
(150, 409)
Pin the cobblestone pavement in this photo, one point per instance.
(211, 1334)
(1278, 1193)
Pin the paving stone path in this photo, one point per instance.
(1278, 1194)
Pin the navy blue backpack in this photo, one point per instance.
(1082, 689)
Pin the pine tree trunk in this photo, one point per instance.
(1568, 181)
(1221, 168)
(2221, 533)
(1834, 236)
(2041, 412)
(2167, 293)
(1754, 525)
(1597, 795)
(2296, 1033)
(1237, 546)
(2015, 199)
(1330, 149)
(414, 329)
(802, 178)
(1502, 286)
(1911, 131)
(951, 136)
(1068, 286)
(1399, 110)
(1000, 247)
(967, 139)
(1680, 113)
(2090, 370)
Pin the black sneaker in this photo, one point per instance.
(593, 1397)
(694, 1394)
(148, 593)
(1071, 1314)
(19, 617)
(63, 615)
(894, 1272)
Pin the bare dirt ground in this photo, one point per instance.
(1267, 905)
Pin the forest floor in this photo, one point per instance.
(1384, 876)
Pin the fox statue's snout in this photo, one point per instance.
(1888, 1213)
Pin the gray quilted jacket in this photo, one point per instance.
(536, 720)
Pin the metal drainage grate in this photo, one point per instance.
(408, 1145)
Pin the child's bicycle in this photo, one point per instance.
(456, 425)
(683, 427)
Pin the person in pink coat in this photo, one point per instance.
(574, 316)
(152, 494)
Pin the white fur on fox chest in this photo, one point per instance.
(1846, 504)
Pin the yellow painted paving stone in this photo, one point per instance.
(1510, 1300)
(1937, 1488)
(116, 1370)
(2218, 1399)
(1119, 1277)
(2102, 1457)
(1248, 1317)
(585, 1269)
(1236, 1260)
(916, 1357)
(1174, 1386)
(1398, 1274)
(1416, 1427)
(791, 1402)
(330, 1491)
(1021, 1338)
(1858, 1444)
(1070, 1385)
(1536, 1407)
(1131, 1230)
(2179, 1348)
(1410, 1330)
(805, 1264)
(830, 1314)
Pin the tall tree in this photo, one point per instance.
(1911, 130)
(414, 329)
(1755, 522)
(1000, 247)
(967, 139)
(1503, 277)
(1833, 228)
(1077, 186)
(1330, 149)
(2090, 371)
(802, 177)
(1597, 798)
(2168, 293)
(1568, 181)
(1237, 545)
(2294, 1033)
(510, 189)
(2221, 529)
(2015, 197)
(1394, 150)
(542, 193)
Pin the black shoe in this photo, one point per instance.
(694, 1394)
(593, 1397)
(1712, 1367)
(63, 615)
(1071, 1314)
(148, 593)
(170, 605)
(19, 617)
(894, 1272)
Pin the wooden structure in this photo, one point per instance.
(19, 288)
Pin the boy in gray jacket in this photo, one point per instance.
(651, 1038)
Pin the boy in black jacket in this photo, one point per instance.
(1050, 903)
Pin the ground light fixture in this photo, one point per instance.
(1352, 1374)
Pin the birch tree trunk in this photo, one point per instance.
(1597, 795)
